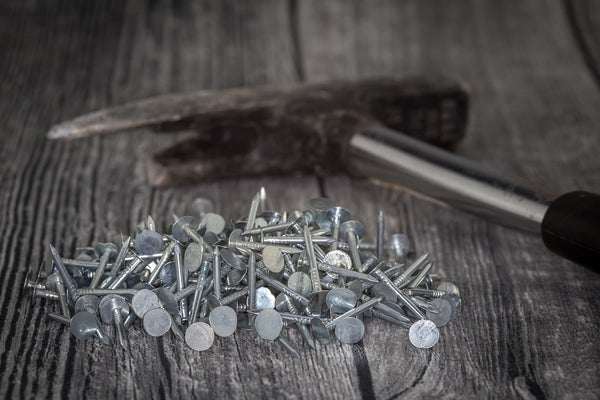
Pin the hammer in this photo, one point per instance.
(351, 127)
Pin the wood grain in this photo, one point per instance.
(503, 343)
(529, 326)
(584, 19)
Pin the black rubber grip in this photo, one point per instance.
(571, 228)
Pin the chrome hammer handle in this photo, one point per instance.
(569, 225)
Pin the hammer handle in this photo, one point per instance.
(569, 225)
(571, 228)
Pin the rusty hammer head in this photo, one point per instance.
(294, 129)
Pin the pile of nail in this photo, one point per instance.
(309, 270)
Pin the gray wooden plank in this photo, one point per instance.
(584, 20)
(528, 326)
(533, 117)
(70, 60)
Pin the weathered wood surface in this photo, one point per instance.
(529, 326)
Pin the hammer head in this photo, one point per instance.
(293, 129)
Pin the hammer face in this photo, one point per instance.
(298, 129)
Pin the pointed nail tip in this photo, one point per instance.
(53, 252)
(102, 337)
